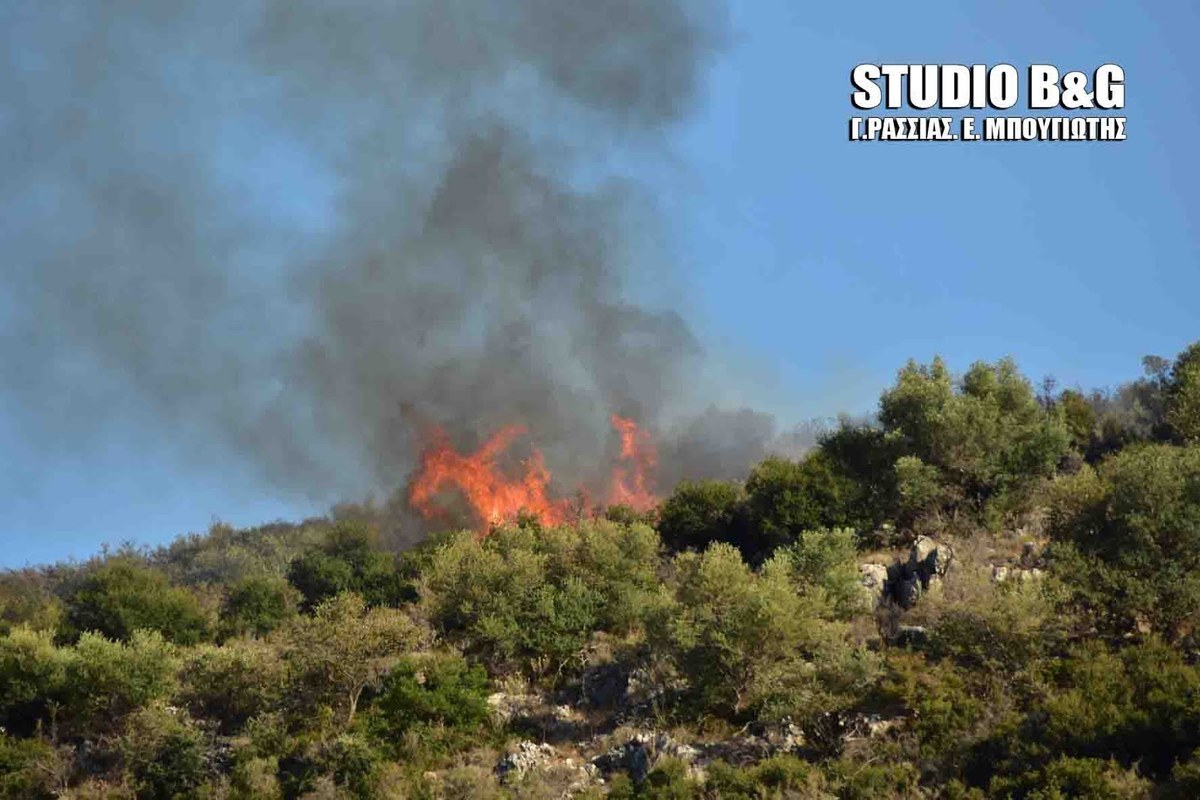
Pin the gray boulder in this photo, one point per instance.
(526, 756)
(874, 580)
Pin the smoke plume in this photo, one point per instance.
(296, 232)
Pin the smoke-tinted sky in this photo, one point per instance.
(250, 247)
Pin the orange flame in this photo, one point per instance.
(632, 479)
(495, 498)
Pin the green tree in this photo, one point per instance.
(989, 437)
(825, 560)
(1128, 539)
(106, 679)
(257, 605)
(349, 560)
(438, 696)
(233, 683)
(1080, 418)
(784, 498)
(164, 755)
(533, 599)
(1183, 395)
(747, 640)
(342, 649)
(699, 513)
(32, 678)
(122, 595)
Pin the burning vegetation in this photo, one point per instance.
(496, 491)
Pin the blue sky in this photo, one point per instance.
(822, 263)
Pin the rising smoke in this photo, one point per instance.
(299, 231)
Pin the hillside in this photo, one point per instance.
(990, 590)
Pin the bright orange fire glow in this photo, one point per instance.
(632, 480)
(495, 498)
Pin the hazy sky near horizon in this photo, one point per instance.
(817, 263)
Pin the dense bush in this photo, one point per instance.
(349, 560)
(438, 697)
(750, 641)
(233, 683)
(123, 595)
(341, 650)
(988, 438)
(257, 605)
(530, 598)
(106, 680)
(1131, 539)
(699, 513)
(164, 755)
(1183, 396)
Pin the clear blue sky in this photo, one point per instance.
(826, 263)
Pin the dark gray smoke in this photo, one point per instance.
(296, 231)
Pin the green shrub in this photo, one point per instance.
(1074, 777)
(785, 498)
(343, 649)
(349, 561)
(1128, 539)
(778, 776)
(1183, 396)
(164, 755)
(826, 560)
(32, 677)
(26, 601)
(699, 513)
(106, 679)
(1138, 705)
(528, 598)
(234, 682)
(747, 640)
(988, 438)
(257, 605)
(439, 697)
(123, 595)
(30, 769)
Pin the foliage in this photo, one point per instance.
(26, 599)
(123, 595)
(1130, 538)
(343, 648)
(747, 640)
(107, 679)
(784, 498)
(257, 605)
(699, 513)
(988, 438)
(349, 560)
(309, 660)
(438, 696)
(532, 599)
(827, 559)
(1183, 396)
(164, 755)
(32, 678)
(30, 769)
(233, 683)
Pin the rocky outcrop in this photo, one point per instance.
(641, 752)
(525, 757)
(904, 582)
(1002, 573)
(874, 578)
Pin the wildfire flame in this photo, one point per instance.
(632, 480)
(494, 497)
